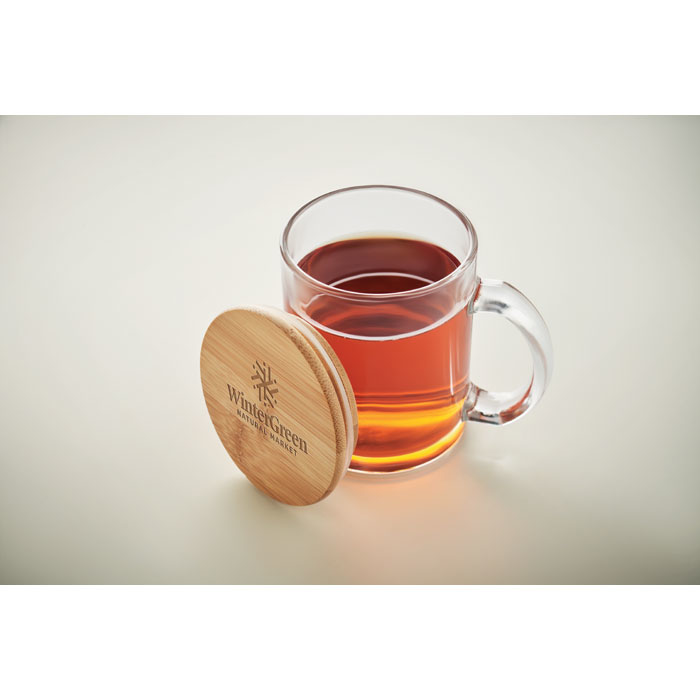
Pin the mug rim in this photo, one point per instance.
(367, 296)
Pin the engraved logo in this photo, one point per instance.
(264, 420)
(263, 382)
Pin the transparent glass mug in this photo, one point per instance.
(405, 346)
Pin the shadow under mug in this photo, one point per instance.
(406, 352)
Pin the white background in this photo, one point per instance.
(123, 237)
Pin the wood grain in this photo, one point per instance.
(275, 404)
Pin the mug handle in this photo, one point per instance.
(497, 408)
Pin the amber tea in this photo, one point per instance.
(408, 363)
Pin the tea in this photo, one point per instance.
(407, 356)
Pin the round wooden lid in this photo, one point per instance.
(280, 401)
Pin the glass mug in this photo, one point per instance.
(388, 276)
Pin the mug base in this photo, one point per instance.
(402, 465)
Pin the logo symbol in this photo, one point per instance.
(263, 377)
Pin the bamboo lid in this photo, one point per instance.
(280, 401)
